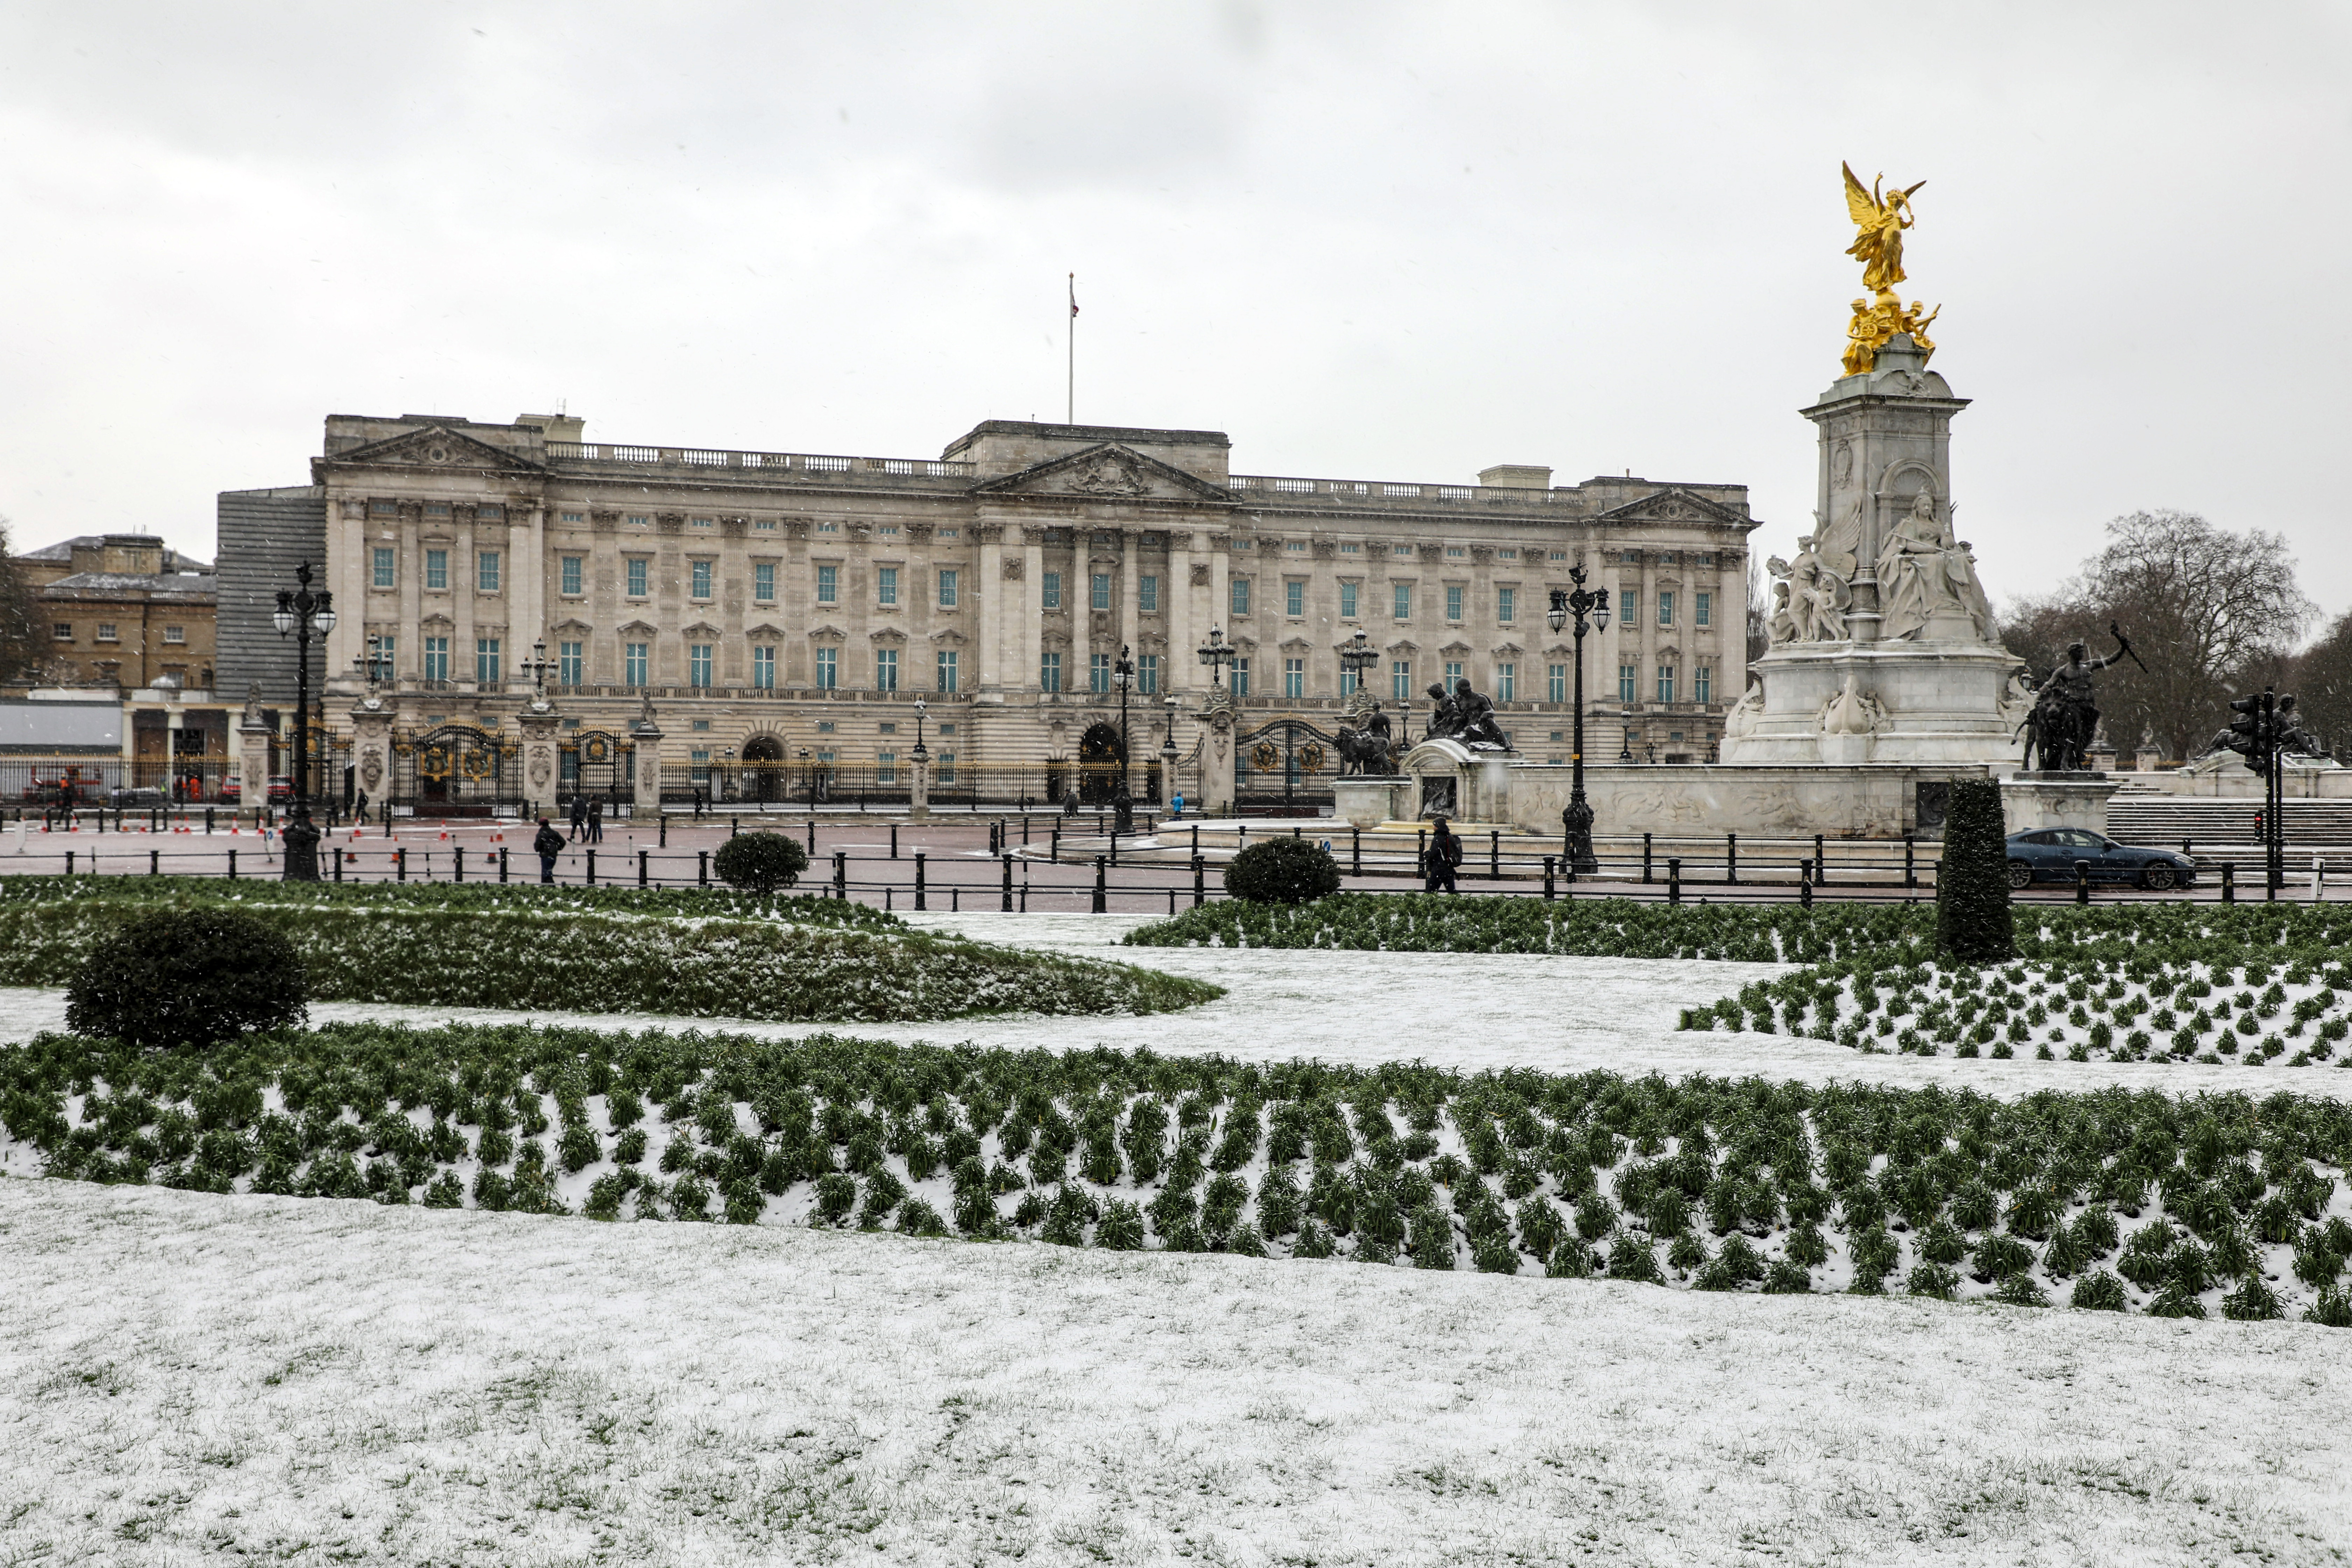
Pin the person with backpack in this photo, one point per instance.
(547, 845)
(1443, 854)
(579, 816)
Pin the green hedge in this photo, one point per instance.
(2168, 1204)
(601, 963)
(1755, 933)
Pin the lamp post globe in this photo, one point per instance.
(1585, 608)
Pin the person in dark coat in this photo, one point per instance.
(1445, 853)
(579, 818)
(596, 821)
(548, 845)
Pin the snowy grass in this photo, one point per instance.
(186, 1378)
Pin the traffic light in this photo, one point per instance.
(2253, 728)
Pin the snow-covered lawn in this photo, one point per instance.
(186, 1378)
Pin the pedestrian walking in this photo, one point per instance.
(1179, 803)
(1443, 854)
(579, 816)
(359, 816)
(596, 822)
(549, 845)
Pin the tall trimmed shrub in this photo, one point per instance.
(194, 976)
(761, 863)
(1283, 871)
(1972, 914)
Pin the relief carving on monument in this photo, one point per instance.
(1110, 474)
(1200, 574)
(1012, 568)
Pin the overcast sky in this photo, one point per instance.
(1369, 241)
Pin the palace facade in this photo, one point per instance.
(784, 611)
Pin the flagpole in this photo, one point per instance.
(1070, 411)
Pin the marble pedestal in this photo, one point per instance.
(1451, 779)
(1369, 802)
(2037, 800)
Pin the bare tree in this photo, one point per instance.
(18, 657)
(2211, 611)
(2322, 679)
(1759, 627)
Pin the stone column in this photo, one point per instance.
(371, 749)
(919, 788)
(1027, 616)
(1130, 618)
(538, 721)
(1176, 606)
(253, 738)
(995, 598)
(647, 736)
(1217, 757)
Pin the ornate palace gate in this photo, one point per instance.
(456, 771)
(1285, 767)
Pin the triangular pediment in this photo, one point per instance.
(438, 447)
(1672, 505)
(1107, 472)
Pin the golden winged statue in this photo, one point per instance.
(1880, 220)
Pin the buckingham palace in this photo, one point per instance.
(773, 620)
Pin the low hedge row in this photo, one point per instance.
(594, 963)
(2173, 1205)
(1754, 934)
(487, 897)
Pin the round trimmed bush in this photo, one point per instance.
(1282, 871)
(193, 976)
(760, 863)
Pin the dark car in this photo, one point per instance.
(2048, 855)
(139, 796)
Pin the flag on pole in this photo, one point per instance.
(1074, 294)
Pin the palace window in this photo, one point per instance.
(1703, 684)
(1294, 599)
(1404, 601)
(1098, 673)
(436, 508)
(764, 525)
(1507, 555)
(570, 663)
(576, 516)
(386, 567)
(1241, 595)
(383, 508)
(485, 661)
(639, 520)
(490, 512)
(947, 589)
(948, 661)
(1455, 552)
(1665, 608)
(1293, 678)
(1506, 604)
(1347, 601)
(886, 669)
(1049, 672)
(486, 571)
(639, 570)
(764, 581)
(634, 665)
(1629, 680)
(1049, 593)
(1147, 594)
(106, 632)
(1147, 674)
(1296, 546)
(763, 667)
(436, 658)
(175, 634)
(436, 571)
(698, 664)
(886, 767)
(1400, 549)
(1452, 601)
(701, 522)
(574, 576)
(1400, 680)
(1452, 675)
(1507, 683)
(828, 585)
(886, 586)
(1558, 555)
(828, 669)
(1240, 677)
(1098, 596)
(61, 630)
(1665, 683)
(1348, 682)
(946, 767)
(1629, 605)
(1555, 683)
(698, 573)
(1702, 609)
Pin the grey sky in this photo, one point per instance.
(1369, 241)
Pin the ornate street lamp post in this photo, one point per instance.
(1123, 675)
(304, 616)
(1169, 789)
(373, 666)
(1579, 605)
(536, 666)
(1357, 656)
(1625, 751)
(1216, 655)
